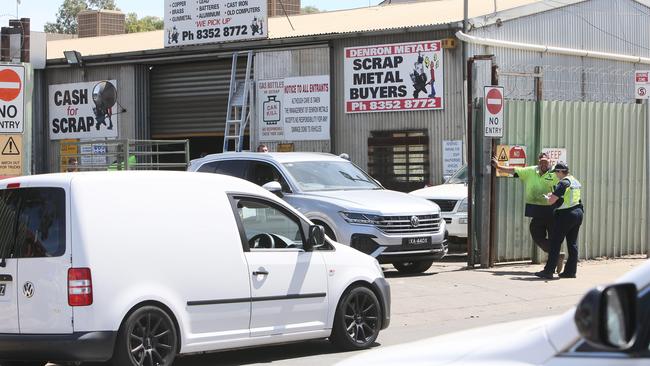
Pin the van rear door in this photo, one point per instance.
(8, 265)
(43, 260)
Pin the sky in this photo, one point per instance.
(42, 11)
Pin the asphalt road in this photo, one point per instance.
(447, 298)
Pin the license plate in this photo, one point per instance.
(3, 288)
(417, 241)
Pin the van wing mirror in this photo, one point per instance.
(607, 317)
(274, 187)
(316, 237)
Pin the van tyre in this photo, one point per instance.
(413, 267)
(357, 321)
(148, 337)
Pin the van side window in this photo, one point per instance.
(262, 173)
(269, 227)
(33, 222)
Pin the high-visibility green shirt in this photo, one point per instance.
(535, 185)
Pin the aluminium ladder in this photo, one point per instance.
(239, 105)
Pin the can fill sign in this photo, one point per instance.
(493, 111)
(12, 81)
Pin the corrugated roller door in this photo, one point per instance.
(190, 99)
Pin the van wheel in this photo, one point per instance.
(357, 321)
(413, 267)
(148, 337)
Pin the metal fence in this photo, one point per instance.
(109, 155)
(605, 145)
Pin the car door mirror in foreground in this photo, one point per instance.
(607, 317)
(274, 187)
(316, 237)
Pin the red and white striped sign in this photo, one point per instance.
(12, 98)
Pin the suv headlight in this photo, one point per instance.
(463, 205)
(361, 219)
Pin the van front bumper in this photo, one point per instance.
(91, 346)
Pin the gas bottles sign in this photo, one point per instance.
(192, 22)
(12, 101)
(74, 113)
(294, 109)
(394, 77)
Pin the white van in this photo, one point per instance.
(139, 267)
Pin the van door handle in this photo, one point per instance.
(261, 272)
(5, 278)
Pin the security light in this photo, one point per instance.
(74, 58)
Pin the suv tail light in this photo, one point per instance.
(80, 287)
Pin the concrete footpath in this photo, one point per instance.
(446, 299)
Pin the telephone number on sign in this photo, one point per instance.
(394, 105)
(234, 31)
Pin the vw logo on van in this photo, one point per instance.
(415, 221)
(28, 289)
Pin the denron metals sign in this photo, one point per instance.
(192, 22)
(12, 99)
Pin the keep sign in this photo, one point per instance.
(493, 111)
(12, 99)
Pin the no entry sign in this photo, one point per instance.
(12, 90)
(493, 111)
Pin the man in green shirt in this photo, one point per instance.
(538, 180)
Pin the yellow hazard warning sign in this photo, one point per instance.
(510, 156)
(11, 158)
(69, 155)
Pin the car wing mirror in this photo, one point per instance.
(274, 187)
(316, 237)
(607, 317)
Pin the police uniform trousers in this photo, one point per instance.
(566, 225)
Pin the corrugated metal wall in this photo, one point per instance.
(39, 124)
(351, 131)
(615, 26)
(605, 145)
(288, 63)
(125, 76)
(191, 98)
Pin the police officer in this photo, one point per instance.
(538, 180)
(568, 216)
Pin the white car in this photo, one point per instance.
(354, 209)
(451, 197)
(610, 327)
(140, 267)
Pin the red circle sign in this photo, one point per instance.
(10, 85)
(494, 100)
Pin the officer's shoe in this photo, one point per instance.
(560, 263)
(544, 275)
(566, 275)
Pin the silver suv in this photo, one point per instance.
(354, 209)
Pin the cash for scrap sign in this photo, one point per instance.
(73, 114)
(394, 77)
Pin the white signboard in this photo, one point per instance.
(192, 22)
(394, 77)
(642, 84)
(12, 99)
(555, 154)
(294, 109)
(270, 100)
(73, 114)
(493, 111)
(452, 157)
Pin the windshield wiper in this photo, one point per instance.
(348, 176)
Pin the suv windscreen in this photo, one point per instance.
(330, 176)
(32, 222)
(460, 177)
